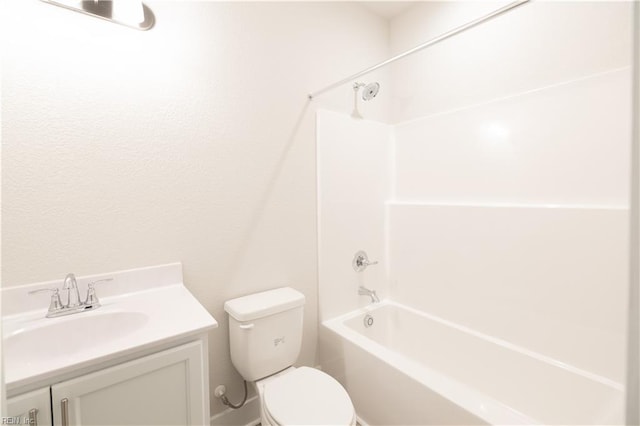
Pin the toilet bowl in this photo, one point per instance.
(265, 336)
(304, 395)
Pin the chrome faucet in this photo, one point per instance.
(73, 294)
(74, 304)
(363, 291)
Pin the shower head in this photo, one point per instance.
(370, 91)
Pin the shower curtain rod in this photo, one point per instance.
(424, 45)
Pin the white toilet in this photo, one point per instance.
(265, 334)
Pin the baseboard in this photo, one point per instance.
(248, 415)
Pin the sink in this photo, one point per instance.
(142, 311)
(45, 339)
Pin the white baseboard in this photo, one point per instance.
(248, 415)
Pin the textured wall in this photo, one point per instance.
(192, 142)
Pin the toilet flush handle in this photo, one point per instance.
(247, 326)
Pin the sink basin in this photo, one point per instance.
(142, 311)
(47, 339)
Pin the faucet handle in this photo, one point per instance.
(56, 303)
(92, 298)
(53, 290)
(361, 261)
(92, 283)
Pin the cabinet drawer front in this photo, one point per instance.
(22, 407)
(166, 388)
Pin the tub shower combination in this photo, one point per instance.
(462, 336)
(503, 253)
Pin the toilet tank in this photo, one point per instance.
(265, 331)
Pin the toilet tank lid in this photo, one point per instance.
(263, 304)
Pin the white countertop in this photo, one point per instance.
(38, 348)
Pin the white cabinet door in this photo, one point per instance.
(30, 408)
(166, 388)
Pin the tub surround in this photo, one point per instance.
(523, 148)
(501, 210)
(546, 278)
(551, 279)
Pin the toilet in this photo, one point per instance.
(265, 336)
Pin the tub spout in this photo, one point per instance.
(363, 291)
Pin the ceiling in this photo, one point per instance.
(387, 9)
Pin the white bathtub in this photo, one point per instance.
(410, 367)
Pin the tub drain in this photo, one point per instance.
(368, 320)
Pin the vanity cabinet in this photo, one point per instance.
(165, 388)
(30, 408)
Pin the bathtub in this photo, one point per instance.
(408, 367)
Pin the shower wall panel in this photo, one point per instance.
(563, 144)
(549, 279)
(354, 181)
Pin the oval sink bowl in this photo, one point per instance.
(49, 338)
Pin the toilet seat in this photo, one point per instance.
(307, 396)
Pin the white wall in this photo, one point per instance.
(191, 142)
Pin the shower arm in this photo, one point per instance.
(424, 45)
(356, 112)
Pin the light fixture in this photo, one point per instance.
(130, 13)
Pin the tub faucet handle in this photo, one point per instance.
(361, 261)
